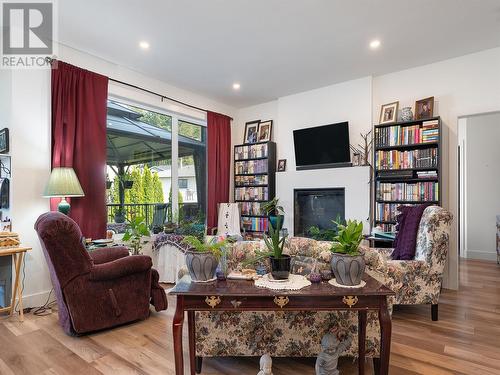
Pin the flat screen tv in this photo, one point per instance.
(324, 146)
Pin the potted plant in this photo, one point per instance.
(280, 263)
(348, 265)
(203, 258)
(273, 210)
(120, 215)
(136, 229)
(170, 227)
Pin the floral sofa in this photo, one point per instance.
(298, 334)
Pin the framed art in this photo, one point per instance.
(265, 128)
(389, 113)
(251, 131)
(424, 108)
(4, 141)
(281, 165)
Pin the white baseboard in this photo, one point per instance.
(482, 255)
(37, 299)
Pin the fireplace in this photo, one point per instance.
(317, 207)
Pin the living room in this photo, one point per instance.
(103, 114)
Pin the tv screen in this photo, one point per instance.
(322, 146)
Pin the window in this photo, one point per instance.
(140, 170)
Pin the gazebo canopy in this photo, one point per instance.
(131, 141)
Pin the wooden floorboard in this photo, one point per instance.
(466, 340)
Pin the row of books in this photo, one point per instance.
(250, 180)
(251, 194)
(250, 167)
(250, 152)
(251, 208)
(394, 159)
(402, 191)
(255, 223)
(397, 135)
(387, 227)
(388, 211)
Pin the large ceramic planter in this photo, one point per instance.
(201, 266)
(280, 267)
(274, 221)
(348, 270)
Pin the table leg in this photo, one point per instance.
(361, 341)
(192, 342)
(16, 258)
(385, 336)
(177, 324)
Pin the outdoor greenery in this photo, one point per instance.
(146, 188)
(348, 238)
(136, 228)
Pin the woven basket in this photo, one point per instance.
(9, 239)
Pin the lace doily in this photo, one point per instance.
(336, 284)
(294, 282)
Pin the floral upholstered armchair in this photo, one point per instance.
(416, 281)
(281, 334)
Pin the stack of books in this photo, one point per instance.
(430, 131)
(427, 174)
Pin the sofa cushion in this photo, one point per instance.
(302, 265)
(405, 242)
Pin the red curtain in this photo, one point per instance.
(79, 102)
(219, 160)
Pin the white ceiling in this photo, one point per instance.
(275, 47)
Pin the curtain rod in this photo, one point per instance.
(51, 60)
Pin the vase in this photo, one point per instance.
(280, 267)
(406, 114)
(201, 266)
(348, 269)
(274, 221)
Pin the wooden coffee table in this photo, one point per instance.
(240, 295)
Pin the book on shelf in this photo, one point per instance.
(394, 159)
(250, 180)
(251, 208)
(250, 166)
(427, 174)
(255, 224)
(398, 135)
(403, 191)
(251, 193)
(250, 151)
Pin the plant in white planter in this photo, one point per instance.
(348, 265)
(203, 258)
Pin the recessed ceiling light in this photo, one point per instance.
(144, 45)
(374, 44)
(236, 86)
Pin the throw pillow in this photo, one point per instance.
(408, 221)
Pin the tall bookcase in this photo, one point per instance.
(407, 167)
(254, 183)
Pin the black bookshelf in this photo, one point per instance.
(254, 183)
(389, 154)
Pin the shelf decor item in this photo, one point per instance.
(424, 108)
(265, 129)
(63, 183)
(389, 113)
(406, 114)
(281, 165)
(251, 132)
(4, 141)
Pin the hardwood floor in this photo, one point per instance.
(466, 340)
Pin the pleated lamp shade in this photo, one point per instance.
(63, 183)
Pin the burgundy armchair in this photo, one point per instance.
(99, 289)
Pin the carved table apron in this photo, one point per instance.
(239, 295)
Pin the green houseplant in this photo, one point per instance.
(273, 210)
(348, 265)
(136, 229)
(202, 258)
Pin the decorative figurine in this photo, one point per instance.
(266, 365)
(331, 349)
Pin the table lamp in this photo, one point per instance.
(63, 183)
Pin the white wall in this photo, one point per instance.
(29, 124)
(482, 184)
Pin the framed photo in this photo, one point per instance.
(4, 141)
(389, 113)
(424, 108)
(281, 165)
(265, 128)
(251, 131)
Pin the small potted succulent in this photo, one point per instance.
(348, 265)
(203, 258)
(274, 211)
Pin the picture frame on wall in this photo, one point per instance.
(281, 165)
(4, 141)
(424, 108)
(251, 132)
(265, 129)
(389, 113)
